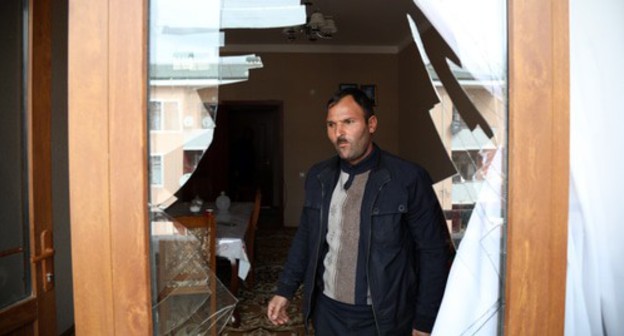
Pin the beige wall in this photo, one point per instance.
(304, 82)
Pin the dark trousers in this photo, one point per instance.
(333, 318)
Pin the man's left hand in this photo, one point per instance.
(419, 333)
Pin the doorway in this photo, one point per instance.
(254, 143)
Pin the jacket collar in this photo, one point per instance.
(379, 173)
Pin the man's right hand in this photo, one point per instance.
(276, 311)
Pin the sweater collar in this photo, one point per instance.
(363, 166)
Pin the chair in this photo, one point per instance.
(190, 279)
(205, 228)
(250, 236)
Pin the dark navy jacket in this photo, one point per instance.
(406, 243)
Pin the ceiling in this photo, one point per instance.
(361, 23)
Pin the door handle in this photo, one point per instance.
(46, 257)
(47, 253)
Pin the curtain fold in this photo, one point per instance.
(595, 297)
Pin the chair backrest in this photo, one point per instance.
(205, 228)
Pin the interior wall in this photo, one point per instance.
(60, 177)
(304, 83)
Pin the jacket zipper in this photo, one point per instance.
(370, 241)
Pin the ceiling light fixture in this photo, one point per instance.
(317, 26)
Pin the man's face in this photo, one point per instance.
(348, 130)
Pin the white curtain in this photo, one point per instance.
(471, 303)
(595, 282)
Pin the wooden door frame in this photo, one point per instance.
(538, 179)
(108, 166)
(107, 81)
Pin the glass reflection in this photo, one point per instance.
(184, 59)
(189, 298)
(184, 68)
(185, 72)
(464, 49)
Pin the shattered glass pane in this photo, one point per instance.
(186, 70)
(463, 47)
(184, 77)
(189, 299)
(185, 73)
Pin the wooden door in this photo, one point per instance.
(27, 301)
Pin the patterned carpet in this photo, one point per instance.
(271, 250)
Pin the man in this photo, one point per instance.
(372, 249)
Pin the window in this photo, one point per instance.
(164, 116)
(156, 170)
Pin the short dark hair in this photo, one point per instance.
(360, 98)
